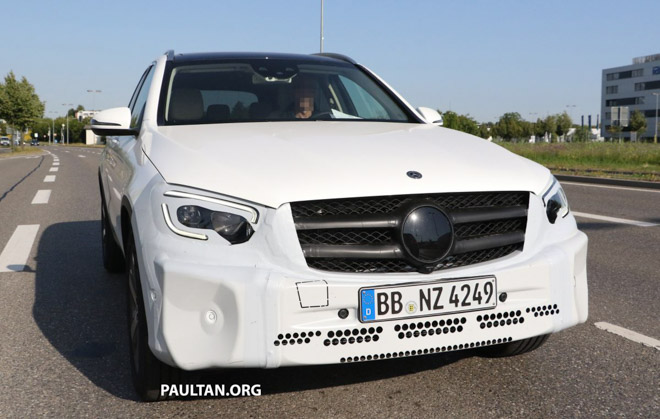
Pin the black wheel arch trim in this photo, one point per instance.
(125, 219)
(105, 208)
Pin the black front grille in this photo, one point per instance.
(472, 230)
(348, 236)
(387, 204)
(361, 234)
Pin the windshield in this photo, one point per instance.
(274, 90)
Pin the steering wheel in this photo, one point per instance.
(323, 115)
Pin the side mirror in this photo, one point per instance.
(115, 121)
(430, 115)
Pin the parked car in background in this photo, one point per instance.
(278, 210)
(5, 141)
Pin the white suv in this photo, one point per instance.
(279, 209)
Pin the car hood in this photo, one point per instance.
(272, 163)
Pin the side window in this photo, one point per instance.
(366, 105)
(140, 98)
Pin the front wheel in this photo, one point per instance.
(148, 371)
(517, 347)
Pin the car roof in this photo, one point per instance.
(213, 56)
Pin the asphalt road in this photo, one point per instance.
(64, 351)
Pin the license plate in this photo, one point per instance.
(429, 299)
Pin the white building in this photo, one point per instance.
(80, 115)
(91, 138)
(629, 88)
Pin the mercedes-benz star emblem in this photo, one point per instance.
(426, 234)
(414, 175)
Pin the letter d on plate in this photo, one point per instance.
(367, 305)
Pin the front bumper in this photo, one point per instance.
(252, 310)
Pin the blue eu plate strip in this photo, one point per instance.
(367, 304)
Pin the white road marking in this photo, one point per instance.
(49, 178)
(56, 163)
(80, 155)
(614, 219)
(629, 334)
(625, 188)
(42, 196)
(17, 250)
(54, 169)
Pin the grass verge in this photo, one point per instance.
(639, 161)
(19, 151)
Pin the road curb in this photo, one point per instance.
(607, 181)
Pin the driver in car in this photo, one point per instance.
(304, 89)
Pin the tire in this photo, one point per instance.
(148, 372)
(113, 259)
(518, 347)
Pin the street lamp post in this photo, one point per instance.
(52, 133)
(92, 92)
(67, 121)
(655, 137)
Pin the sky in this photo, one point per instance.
(482, 58)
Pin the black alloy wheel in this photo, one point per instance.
(148, 372)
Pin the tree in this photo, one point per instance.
(550, 125)
(527, 129)
(581, 134)
(486, 130)
(41, 127)
(464, 123)
(72, 112)
(539, 128)
(450, 120)
(638, 123)
(77, 129)
(19, 104)
(614, 130)
(509, 126)
(564, 124)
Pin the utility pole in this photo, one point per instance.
(321, 26)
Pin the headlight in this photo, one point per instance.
(233, 228)
(233, 221)
(556, 204)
